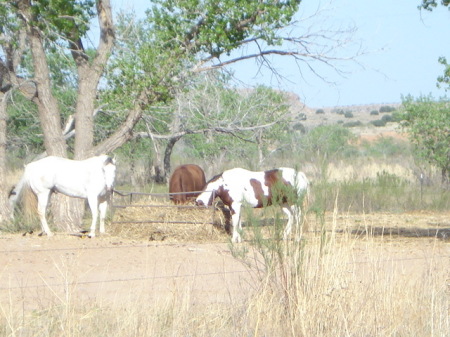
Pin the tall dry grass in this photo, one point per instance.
(331, 284)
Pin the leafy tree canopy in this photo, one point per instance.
(428, 124)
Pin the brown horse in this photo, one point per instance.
(186, 178)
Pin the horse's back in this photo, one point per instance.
(186, 178)
(70, 177)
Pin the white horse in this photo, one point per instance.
(258, 189)
(90, 179)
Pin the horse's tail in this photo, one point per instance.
(29, 203)
(23, 193)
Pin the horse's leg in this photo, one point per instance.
(93, 205)
(42, 208)
(102, 206)
(288, 228)
(297, 212)
(236, 222)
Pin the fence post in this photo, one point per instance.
(421, 189)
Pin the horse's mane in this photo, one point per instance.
(217, 176)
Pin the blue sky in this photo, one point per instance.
(402, 46)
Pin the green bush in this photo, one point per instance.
(387, 118)
(374, 112)
(348, 114)
(320, 111)
(387, 193)
(352, 124)
(387, 108)
(378, 123)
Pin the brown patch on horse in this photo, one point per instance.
(186, 178)
(279, 189)
(259, 193)
(223, 194)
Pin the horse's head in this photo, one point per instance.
(209, 193)
(109, 170)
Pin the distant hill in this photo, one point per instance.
(357, 117)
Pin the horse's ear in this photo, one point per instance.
(109, 160)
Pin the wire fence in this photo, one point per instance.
(177, 276)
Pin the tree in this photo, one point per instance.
(428, 124)
(219, 120)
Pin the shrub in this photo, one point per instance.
(374, 113)
(348, 114)
(387, 108)
(320, 111)
(378, 123)
(387, 118)
(299, 127)
(352, 124)
(398, 116)
(301, 116)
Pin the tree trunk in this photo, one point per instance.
(167, 156)
(5, 211)
(49, 116)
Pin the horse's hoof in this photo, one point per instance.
(237, 239)
(91, 235)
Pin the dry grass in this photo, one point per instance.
(343, 285)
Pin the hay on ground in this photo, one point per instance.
(161, 220)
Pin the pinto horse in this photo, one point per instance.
(90, 179)
(186, 178)
(259, 189)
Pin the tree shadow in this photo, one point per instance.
(407, 232)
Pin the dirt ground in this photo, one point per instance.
(38, 270)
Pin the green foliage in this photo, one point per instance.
(352, 124)
(155, 56)
(386, 147)
(374, 113)
(386, 192)
(217, 27)
(430, 4)
(378, 123)
(24, 134)
(63, 18)
(348, 114)
(398, 116)
(428, 123)
(387, 108)
(387, 118)
(445, 78)
(320, 111)
(329, 141)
